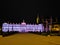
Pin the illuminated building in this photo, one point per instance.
(23, 27)
(54, 26)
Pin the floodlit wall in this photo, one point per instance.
(22, 28)
(10, 27)
(5, 27)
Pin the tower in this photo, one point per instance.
(37, 19)
(23, 20)
(46, 25)
(56, 20)
(23, 23)
(42, 19)
(51, 20)
(50, 26)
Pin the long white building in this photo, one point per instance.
(23, 27)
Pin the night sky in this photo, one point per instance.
(16, 10)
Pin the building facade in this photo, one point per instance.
(23, 27)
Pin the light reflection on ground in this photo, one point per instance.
(29, 39)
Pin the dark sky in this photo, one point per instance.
(16, 10)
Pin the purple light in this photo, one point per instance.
(5, 27)
(10, 27)
(20, 28)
